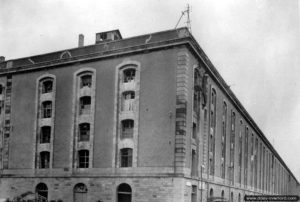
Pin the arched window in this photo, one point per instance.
(45, 134)
(47, 109)
(124, 193)
(222, 194)
(231, 197)
(211, 193)
(128, 75)
(47, 85)
(126, 157)
(239, 198)
(41, 191)
(85, 105)
(84, 132)
(86, 81)
(44, 159)
(127, 128)
(80, 193)
(83, 159)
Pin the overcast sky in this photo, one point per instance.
(254, 44)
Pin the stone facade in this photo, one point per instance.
(154, 136)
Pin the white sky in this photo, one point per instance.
(254, 44)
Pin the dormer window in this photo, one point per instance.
(47, 86)
(86, 81)
(129, 75)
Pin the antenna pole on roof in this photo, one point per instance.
(188, 21)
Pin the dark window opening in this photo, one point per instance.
(47, 86)
(44, 159)
(84, 132)
(129, 75)
(126, 157)
(1, 89)
(194, 133)
(85, 105)
(47, 109)
(194, 163)
(194, 193)
(127, 128)
(45, 134)
(124, 193)
(86, 80)
(41, 192)
(83, 159)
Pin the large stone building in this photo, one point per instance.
(147, 118)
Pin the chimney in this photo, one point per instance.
(2, 59)
(81, 40)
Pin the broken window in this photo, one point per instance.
(84, 132)
(46, 109)
(127, 128)
(45, 134)
(128, 75)
(44, 159)
(85, 105)
(86, 80)
(47, 86)
(128, 101)
(83, 159)
(126, 157)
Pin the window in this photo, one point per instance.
(194, 194)
(194, 132)
(223, 141)
(240, 151)
(246, 156)
(1, 89)
(85, 105)
(232, 146)
(255, 163)
(84, 132)
(212, 131)
(83, 159)
(124, 193)
(47, 86)
(194, 164)
(128, 101)
(128, 75)
(127, 128)
(41, 192)
(86, 80)
(80, 192)
(197, 90)
(45, 134)
(47, 109)
(126, 157)
(44, 159)
(231, 197)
